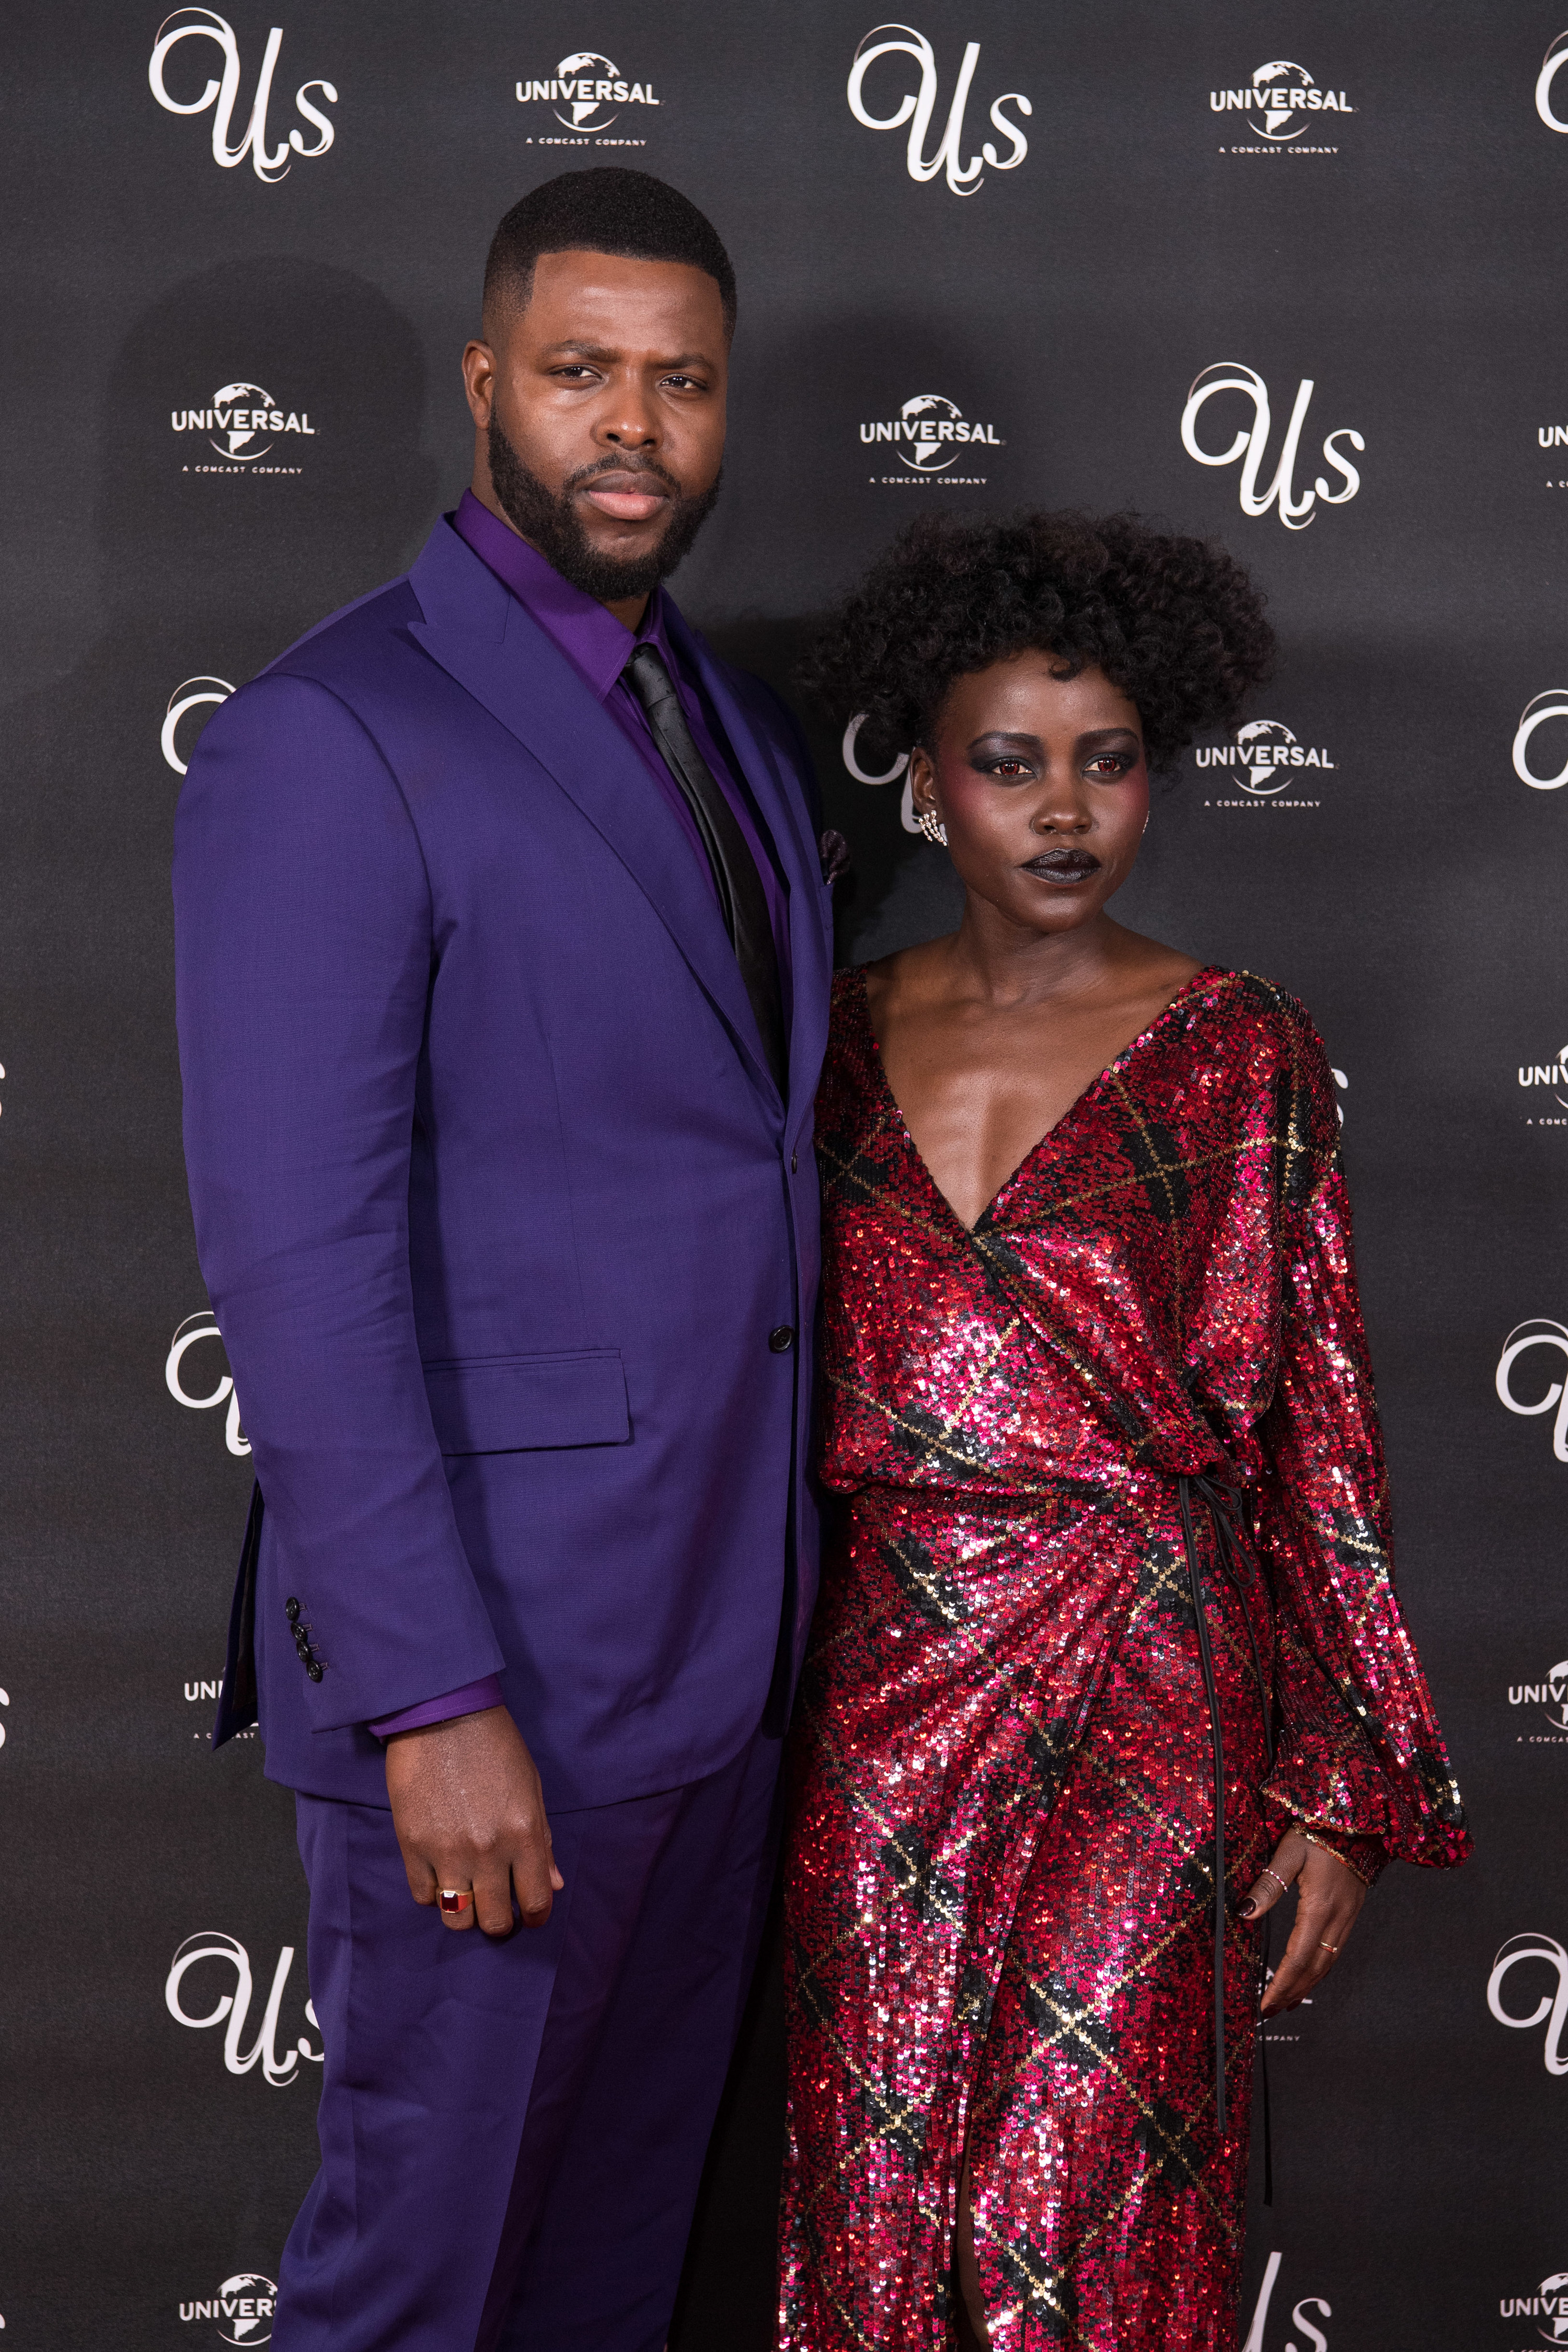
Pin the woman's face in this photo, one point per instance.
(1041, 782)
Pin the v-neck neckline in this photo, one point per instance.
(1204, 976)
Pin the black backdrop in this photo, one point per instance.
(1258, 198)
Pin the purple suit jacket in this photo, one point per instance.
(502, 1218)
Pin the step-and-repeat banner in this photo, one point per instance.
(1289, 276)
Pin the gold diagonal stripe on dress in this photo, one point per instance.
(933, 1445)
(1191, 1164)
(1111, 2066)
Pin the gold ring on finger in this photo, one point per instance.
(1324, 1944)
(455, 1898)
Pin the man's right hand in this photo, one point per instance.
(469, 1812)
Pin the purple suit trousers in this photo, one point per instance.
(513, 2134)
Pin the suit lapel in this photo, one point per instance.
(481, 636)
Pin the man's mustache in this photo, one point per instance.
(641, 464)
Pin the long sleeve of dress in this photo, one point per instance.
(1360, 1751)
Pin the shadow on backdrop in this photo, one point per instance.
(202, 575)
(266, 538)
(209, 573)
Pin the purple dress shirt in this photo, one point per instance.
(599, 646)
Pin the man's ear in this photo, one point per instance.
(479, 381)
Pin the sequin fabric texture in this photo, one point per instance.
(1000, 1891)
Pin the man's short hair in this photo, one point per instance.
(605, 210)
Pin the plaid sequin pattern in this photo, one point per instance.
(1000, 1893)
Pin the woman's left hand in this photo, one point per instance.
(1328, 1896)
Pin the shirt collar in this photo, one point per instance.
(591, 637)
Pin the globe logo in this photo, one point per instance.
(242, 2308)
(586, 114)
(1276, 80)
(1552, 2300)
(928, 433)
(239, 403)
(241, 423)
(1261, 744)
(1549, 2300)
(247, 2326)
(927, 453)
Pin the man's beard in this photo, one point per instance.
(550, 521)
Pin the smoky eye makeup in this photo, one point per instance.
(1118, 746)
(1007, 759)
(1010, 759)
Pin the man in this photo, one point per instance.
(504, 954)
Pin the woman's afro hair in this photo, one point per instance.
(1175, 623)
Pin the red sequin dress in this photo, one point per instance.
(1000, 1909)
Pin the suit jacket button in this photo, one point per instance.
(314, 1671)
(781, 1339)
(290, 1609)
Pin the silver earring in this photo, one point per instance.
(935, 832)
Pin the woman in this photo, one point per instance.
(1116, 1529)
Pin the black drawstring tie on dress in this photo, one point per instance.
(1221, 1501)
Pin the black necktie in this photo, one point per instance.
(741, 899)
